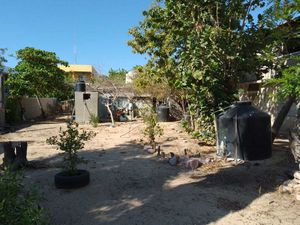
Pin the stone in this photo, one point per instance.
(193, 163)
(297, 180)
(296, 188)
(146, 147)
(297, 175)
(173, 160)
(287, 186)
(297, 195)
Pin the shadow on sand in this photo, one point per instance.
(128, 186)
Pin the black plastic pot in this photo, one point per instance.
(163, 113)
(66, 181)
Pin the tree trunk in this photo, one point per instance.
(41, 107)
(281, 116)
(22, 109)
(183, 106)
(154, 101)
(9, 154)
(111, 115)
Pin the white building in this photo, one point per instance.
(130, 76)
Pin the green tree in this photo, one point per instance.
(118, 76)
(203, 48)
(282, 18)
(37, 74)
(145, 83)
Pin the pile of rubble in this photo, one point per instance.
(292, 186)
(187, 160)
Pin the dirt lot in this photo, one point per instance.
(130, 186)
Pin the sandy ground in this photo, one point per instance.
(130, 186)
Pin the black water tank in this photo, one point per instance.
(80, 86)
(244, 132)
(163, 113)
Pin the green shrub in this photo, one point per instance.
(204, 132)
(152, 129)
(19, 206)
(94, 120)
(70, 141)
(186, 125)
(13, 113)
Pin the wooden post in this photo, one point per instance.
(9, 154)
(21, 154)
(15, 157)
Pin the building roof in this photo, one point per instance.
(79, 68)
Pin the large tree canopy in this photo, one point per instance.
(37, 74)
(205, 48)
(202, 47)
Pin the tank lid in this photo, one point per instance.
(243, 103)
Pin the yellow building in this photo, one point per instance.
(83, 72)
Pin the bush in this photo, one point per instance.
(13, 112)
(70, 141)
(204, 132)
(94, 120)
(152, 129)
(19, 206)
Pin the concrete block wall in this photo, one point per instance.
(32, 109)
(84, 108)
(266, 102)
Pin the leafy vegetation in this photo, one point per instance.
(13, 111)
(202, 48)
(283, 18)
(288, 89)
(94, 120)
(117, 76)
(70, 141)
(205, 48)
(37, 74)
(152, 129)
(19, 206)
(288, 83)
(153, 85)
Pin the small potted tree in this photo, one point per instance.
(70, 141)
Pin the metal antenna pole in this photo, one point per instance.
(75, 53)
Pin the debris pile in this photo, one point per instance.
(150, 149)
(292, 186)
(187, 160)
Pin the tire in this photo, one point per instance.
(65, 181)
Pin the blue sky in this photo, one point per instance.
(97, 30)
